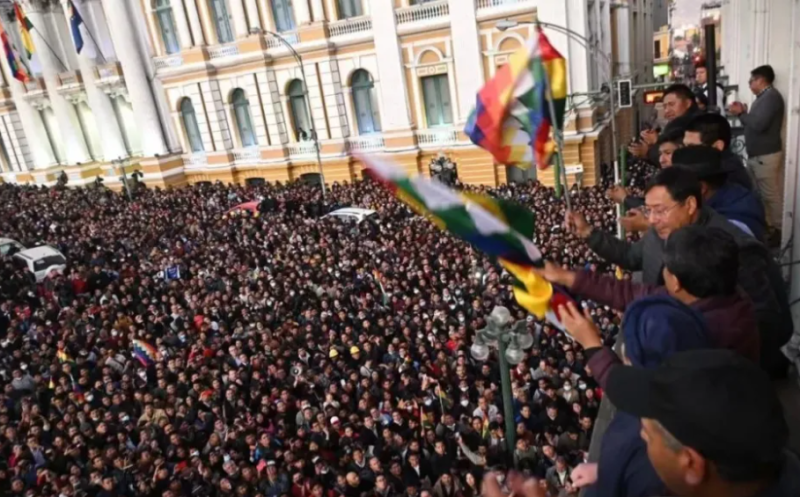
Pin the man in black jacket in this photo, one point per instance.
(674, 200)
(679, 109)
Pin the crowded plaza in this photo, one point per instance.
(491, 265)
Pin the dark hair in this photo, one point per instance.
(681, 184)
(712, 127)
(765, 72)
(704, 260)
(681, 91)
(673, 136)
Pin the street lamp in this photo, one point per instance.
(307, 100)
(511, 341)
(121, 164)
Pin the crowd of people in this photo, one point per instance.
(296, 355)
(192, 349)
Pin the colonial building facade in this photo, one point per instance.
(204, 90)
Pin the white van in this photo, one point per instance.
(352, 213)
(42, 261)
(7, 244)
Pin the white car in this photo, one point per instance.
(352, 213)
(42, 261)
(7, 244)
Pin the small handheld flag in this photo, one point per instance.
(144, 352)
(25, 27)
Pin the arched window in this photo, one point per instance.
(241, 112)
(222, 21)
(190, 125)
(297, 105)
(282, 13)
(166, 24)
(366, 103)
(349, 8)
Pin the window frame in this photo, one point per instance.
(240, 103)
(363, 91)
(298, 98)
(165, 15)
(187, 111)
(441, 85)
(285, 21)
(216, 16)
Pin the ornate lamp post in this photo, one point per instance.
(511, 340)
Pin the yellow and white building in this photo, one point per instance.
(204, 90)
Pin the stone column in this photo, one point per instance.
(75, 149)
(301, 13)
(251, 8)
(467, 55)
(181, 24)
(239, 19)
(333, 10)
(195, 24)
(133, 68)
(266, 15)
(317, 10)
(393, 93)
(110, 133)
(42, 155)
(95, 18)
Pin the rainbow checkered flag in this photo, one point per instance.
(512, 119)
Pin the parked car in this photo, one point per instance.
(42, 261)
(352, 213)
(9, 245)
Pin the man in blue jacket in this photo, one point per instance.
(740, 206)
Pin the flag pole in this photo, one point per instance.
(66, 68)
(557, 135)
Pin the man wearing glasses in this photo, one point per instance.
(673, 200)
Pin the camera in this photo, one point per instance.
(296, 371)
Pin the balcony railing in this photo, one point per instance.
(367, 143)
(432, 138)
(197, 159)
(290, 36)
(219, 51)
(486, 4)
(423, 12)
(301, 149)
(247, 155)
(168, 61)
(350, 26)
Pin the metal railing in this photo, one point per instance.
(350, 26)
(220, 51)
(431, 138)
(423, 12)
(168, 61)
(367, 143)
